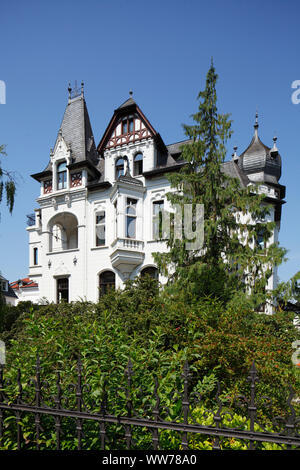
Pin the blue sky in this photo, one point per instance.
(162, 51)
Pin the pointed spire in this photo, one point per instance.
(235, 155)
(256, 125)
(274, 149)
(69, 90)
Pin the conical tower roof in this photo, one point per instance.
(259, 162)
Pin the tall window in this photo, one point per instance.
(62, 289)
(260, 240)
(107, 282)
(138, 164)
(127, 125)
(62, 175)
(124, 126)
(158, 207)
(119, 167)
(131, 218)
(35, 256)
(100, 228)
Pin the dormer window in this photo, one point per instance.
(124, 127)
(138, 164)
(62, 175)
(119, 167)
(130, 123)
(127, 125)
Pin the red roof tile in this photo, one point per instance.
(26, 282)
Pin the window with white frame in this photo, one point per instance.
(119, 167)
(157, 217)
(138, 164)
(62, 175)
(100, 228)
(130, 218)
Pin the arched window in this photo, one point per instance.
(35, 256)
(131, 218)
(151, 271)
(138, 164)
(107, 282)
(62, 175)
(119, 167)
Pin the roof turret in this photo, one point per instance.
(259, 162)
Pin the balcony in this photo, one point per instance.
(127, 254)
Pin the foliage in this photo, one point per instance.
(9, 316)
(158, 331)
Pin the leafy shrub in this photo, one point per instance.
(158, 331)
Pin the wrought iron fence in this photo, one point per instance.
(47, 415)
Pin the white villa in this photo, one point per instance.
(94, 226)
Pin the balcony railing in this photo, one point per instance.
(128, 244)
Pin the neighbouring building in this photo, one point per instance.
(25, 290)
(95, 223)
(7, 292)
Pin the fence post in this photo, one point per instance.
(252, 378)
(185, 403)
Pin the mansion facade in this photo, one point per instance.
(96, 225)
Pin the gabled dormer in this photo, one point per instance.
(130, 139)
(74, 158)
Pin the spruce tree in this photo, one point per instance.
(231, 260)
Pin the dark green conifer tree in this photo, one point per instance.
(231, 259)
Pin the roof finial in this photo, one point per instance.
(69, 90)
(82, 88)
(235, 155)
(256, 123)
(130, 93)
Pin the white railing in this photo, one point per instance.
(128, 244)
